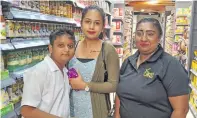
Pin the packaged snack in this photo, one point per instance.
(10, 28)
(28, 29)
(4, 98)
(72, 73)
(29, 56)
(61, 8)
(52, 7)
(37, 29)
(42, 6)
(116, 12)
(65, 10)
(71, 11)
(118, 26)
(2, 28)
(58, 8)
(47, 9)
(22, 29)
(12, 61)
(17, 29)
(33, 26)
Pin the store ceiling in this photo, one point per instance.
(149, 5)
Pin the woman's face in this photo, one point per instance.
(92, 24)
(147, 38)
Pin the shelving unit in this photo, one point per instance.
(117, 28)
(169, 34)
(192, 54)
(128, 26)
(27, 36)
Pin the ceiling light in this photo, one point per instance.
(153, 2)
(142, 10)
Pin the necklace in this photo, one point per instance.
(94, 51)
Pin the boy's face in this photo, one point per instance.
(62, 50)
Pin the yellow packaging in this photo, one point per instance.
(192, 97)
(65, 10)
(194, 65)
(61, 8)
(42, 6)
(195, 101)
(10, 28)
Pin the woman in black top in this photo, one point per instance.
(153, 84)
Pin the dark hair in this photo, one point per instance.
(61, 32)
(100, 10)
(154, 21)
(93, 7)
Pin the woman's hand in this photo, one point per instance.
(77, 83)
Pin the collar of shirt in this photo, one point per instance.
(156, 55)
(52, 65)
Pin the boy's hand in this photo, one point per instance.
(77, 83)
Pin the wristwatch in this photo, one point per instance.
(87, 89)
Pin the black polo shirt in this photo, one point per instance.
(144, 92)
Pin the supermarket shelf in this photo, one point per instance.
(18, 74)
(7, 46)
(7, 82)
(193, 88)
(30, 43)
(178, 33)
(182, 24)
(194, 72)
(182, 16)
(194, 112)
(79, 5)
(117, 44)
(118, 33)
(117, 19)
(36, 16)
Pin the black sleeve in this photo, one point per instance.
(176, 80)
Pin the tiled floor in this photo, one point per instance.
(189, 115)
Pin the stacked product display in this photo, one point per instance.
(193, 84)
(117, 29)
(182, 33)
(192, 56)
(128, 23)
(170, 46)
(25, 27)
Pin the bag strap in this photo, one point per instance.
(111, 110)
(103, 55)
(104, 63)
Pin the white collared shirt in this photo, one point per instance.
(47, 89)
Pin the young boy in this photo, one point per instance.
(46, 85)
